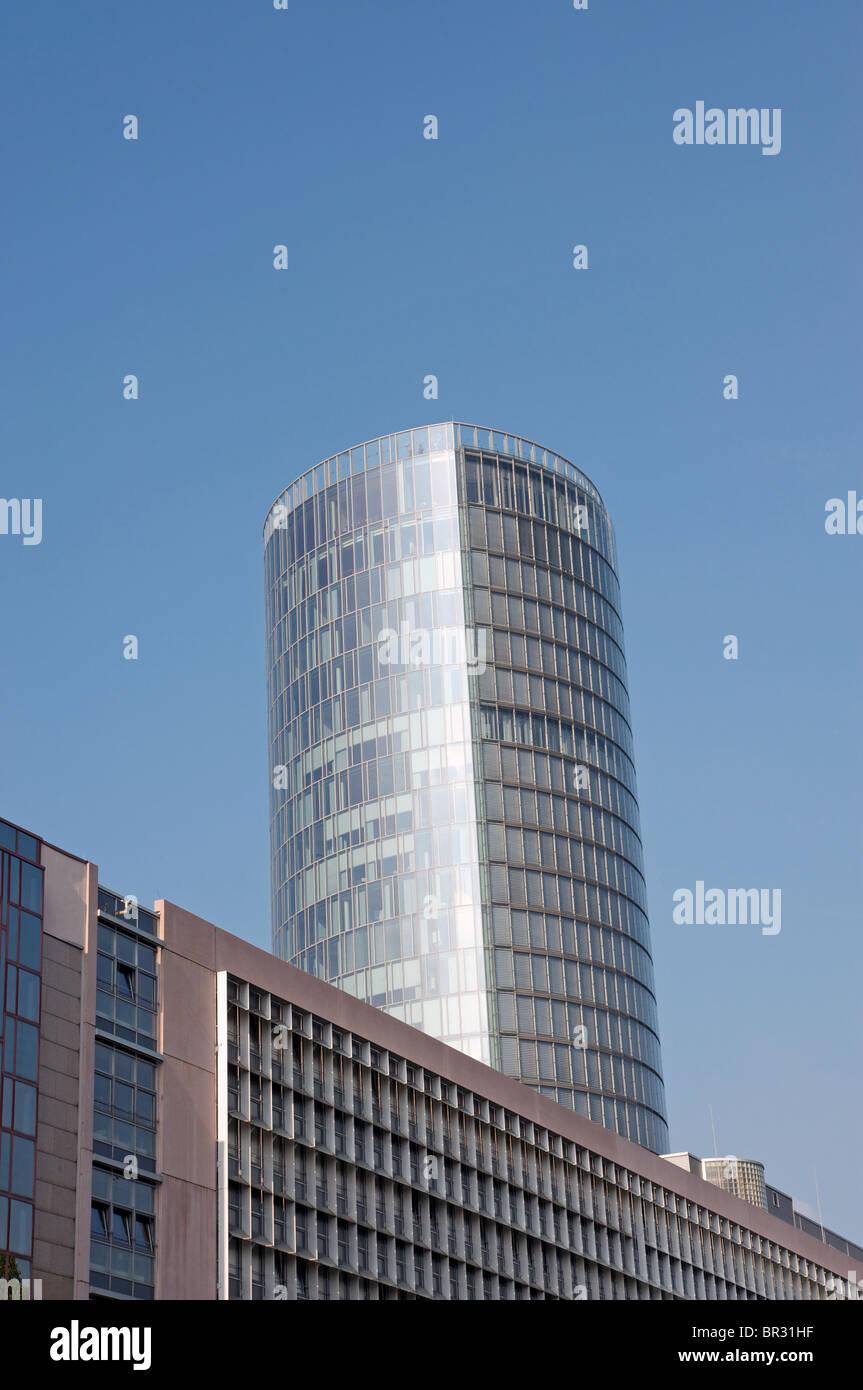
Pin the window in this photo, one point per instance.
(124, 1099)
(99, 1218)
(26, 1050)
(25, 1107)
(343, 1242)
(126, 981)
(301, 1223)
(122, 1234)
(234, 1221)
(126, 977)
(125, 1105)
(256, 1100)
(234, 1089)
(28, 994)
(121, 1229)
(257, 1227)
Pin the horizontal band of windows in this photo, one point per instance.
(377, 742)
(301, 832)
(545, 969)
(575, 855)
(338, 913)
(305, 604)
(552, 671)
(564, 939)
(390, 853)
(293, 544)
(502, 534)
(432, 692)
(297, 726)
(417, 444)
(401, 490)
(398, 772)
(508, 724)
(574, 601)
(501, 481)
(574, 983)
(592, 1071)
(296, 648)
(367, 903)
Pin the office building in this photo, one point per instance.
(454, 822)
(742, 1176)
(185, 1116)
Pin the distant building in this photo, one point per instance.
(745, 1178)
(742, 1176)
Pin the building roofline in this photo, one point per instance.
(431, 424)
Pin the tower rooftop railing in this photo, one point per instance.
(424, 442)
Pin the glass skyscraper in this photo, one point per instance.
(454, 823)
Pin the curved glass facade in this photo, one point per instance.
(454, 823)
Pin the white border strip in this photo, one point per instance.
(222, 1134)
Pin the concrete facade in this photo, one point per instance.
(777, 1261)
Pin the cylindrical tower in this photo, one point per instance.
(454, 823)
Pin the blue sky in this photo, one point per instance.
(453, 257)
